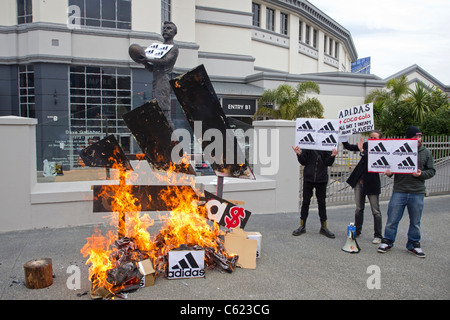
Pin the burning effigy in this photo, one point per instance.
(191, 238)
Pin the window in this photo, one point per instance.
(284, 23)
(270, 19)
(165, 11)
(336, 49)
(256, 10)
(24, 11)
(26, 91)
(300, 31)
(114, 14)
(330, 47)
(99, 96)
(314, 38)
(307, 35)
(325, 44)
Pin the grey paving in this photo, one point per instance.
(310, 266)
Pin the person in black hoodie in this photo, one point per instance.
(315, 176)
(366, 184)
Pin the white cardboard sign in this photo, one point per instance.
(355, 120)
(157, 50)
(317, 134)
(397, 155)
(186, 264)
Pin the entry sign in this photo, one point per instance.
(317, 134)
(397, 155)
(225, 213)
(356, 119)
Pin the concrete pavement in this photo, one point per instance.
(310, 266)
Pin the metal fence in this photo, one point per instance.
(339, 192)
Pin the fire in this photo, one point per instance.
(185, 224)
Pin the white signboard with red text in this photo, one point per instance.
(355, 120)
(397, 155)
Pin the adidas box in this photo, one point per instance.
(148, 273)
(186, 264)
(258, 237)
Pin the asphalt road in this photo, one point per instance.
(308, 267)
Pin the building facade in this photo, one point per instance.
(66, 62)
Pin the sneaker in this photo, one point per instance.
(376, 240)
(384, 247)
(417, 252)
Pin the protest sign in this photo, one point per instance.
(317, 134)
(397, 155)
(157, 50)
(225, 213)
(354, 120)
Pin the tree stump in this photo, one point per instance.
(38, 273)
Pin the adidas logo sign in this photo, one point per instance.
(404, 150)
(186, 264)
(406, 164)
(330, 141)
(308, 139)
(328, 128)
(381, 164)
(305, 127)
(379, 149)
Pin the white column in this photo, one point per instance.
(277, 161)
(17, 171)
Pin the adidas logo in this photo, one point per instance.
(404, 150)
(330, 141)
(379, 149)
(381, 163)
(406, 164)
(305, 127)
(308, 139)
(186, 265)
(328, 128)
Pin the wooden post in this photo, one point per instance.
(38, 273)
(219, 189)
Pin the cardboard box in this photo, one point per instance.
(146, 269)
(237, 242)
(258, 237)
(186, 264)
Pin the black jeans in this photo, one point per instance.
(321, 193)
(360, 199)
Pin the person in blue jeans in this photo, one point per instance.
(409, 192)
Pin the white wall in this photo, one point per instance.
(26, 204)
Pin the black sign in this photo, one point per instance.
(239, 107)
(226, 213)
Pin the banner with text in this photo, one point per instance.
(317, 134)
(397, 155)
(354, 120)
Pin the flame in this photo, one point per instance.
(186, 224)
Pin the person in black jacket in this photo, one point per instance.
(366, 184)
(315, 176)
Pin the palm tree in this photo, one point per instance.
(289, 103)
(395, 90)
(420, 101)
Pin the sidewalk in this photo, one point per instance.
(310, 266)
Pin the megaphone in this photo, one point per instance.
(351, 245)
